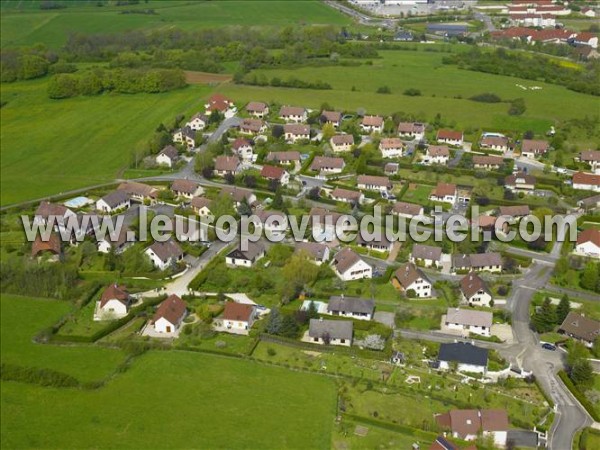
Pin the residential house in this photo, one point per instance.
(331, 117)
(220, 103)
(330, 332)
(226, 165)
(324, 223)
(293, 114)
(391, 147)
(348, 266)
(327, 164)
(294, 132)
(341, 142)
(239, 195)
(532, 148)
(413, 130)
(374, 183)
(245, 258)
(317, 252)
(487, 162)
(591, 157)
(114, 201)
(201, 206)
(253, 126)
(426, 255)
(581, 328)
(197, 122)
(586, 181)
(391, 168)
(272, 221)
(410, 278)
(588, 12)
(347, 196)
(60, 215)
(470, 424)
(537, 20)
(185, 136)
(139, 191)
(467, 357)
(353, 307)
(469, 321)
(285, 158)
(589, 203)
(50, 248)
(372, 124)
(444, 192)
(450, 137)
(493, 142)
(489, 262)
(186, 188)
(474, 291)
(118, 243)
(437, 154)
(169, 315)
(381, 244)
(242, 148)
(588, 243)
(514, 213)
(238, 317)
(168, 156)
(114, 303)
(443, 443)
(258, 109)
(520, 182)
(275, 173)
(164, 254)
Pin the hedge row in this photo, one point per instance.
(579, 395)
(43, 377)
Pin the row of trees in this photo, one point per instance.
(126, 81)
(529, 67)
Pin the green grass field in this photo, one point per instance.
(23, 23)
(23, 317)
(440, 86)
(58, 145)
(176, 400)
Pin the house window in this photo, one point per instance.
(342, 341)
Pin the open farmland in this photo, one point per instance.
(445, 89)
(23, 23)
(94, 137)
(24, 317)
(257, 406)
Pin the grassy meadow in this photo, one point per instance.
(445, 89)
(226, 403)
(24, 317)
(23, 23)
(58, 145)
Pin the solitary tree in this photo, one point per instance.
(563, 308)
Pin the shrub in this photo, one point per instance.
(384, 90)
(486, 97)
(412, 92)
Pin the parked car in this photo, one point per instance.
(548, 346)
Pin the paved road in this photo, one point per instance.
(571, 416)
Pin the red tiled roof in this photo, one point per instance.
(586, 178)
(51, 245)
(449, 134)
(272, 172)
(172, 308)
(589, 235)
(240, 312)
(114, 292)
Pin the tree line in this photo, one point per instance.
(125, 81)
(530, 67)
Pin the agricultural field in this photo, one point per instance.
(445, 89)
(23, 23)
(23, 317)
(80, 141)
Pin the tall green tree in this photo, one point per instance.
(545, 318)
(563, 309)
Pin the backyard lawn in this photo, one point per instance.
(145, 407)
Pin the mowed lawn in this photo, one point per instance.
(52, 146)
(445, 89)
(29, 25)
(24, 317)
(176, 400)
